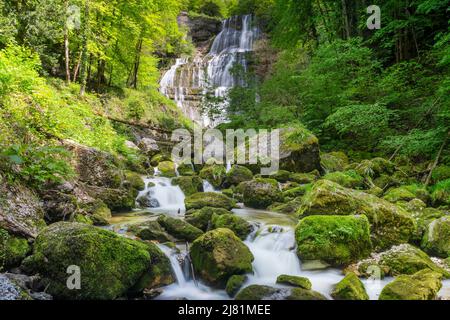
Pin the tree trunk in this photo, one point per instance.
(436, 161)
(66, 44)
(133, 80)
(84, 55)
(346, 20)
(77, 67)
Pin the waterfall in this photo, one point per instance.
(187, 81)
(160, 194)
(208, 187)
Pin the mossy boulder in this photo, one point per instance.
(375, 167)
(180, 229)
(304, 178)
(134, 180)
(348, 179)
(334, 161)
(117, 200)
(150, 230)
(423, 285)
(234, 284)
(296, 192)
(440, 173)
(338, 240)
(236, 175)
(167, 169)
(436, 240)
(231, 221)
(219, 254)
(201, 218)
(299, 150)
(110, 265)
(260, 292)
(401, 259)
(160, 157)
(13, 250)
(407, 193)
(214, 174)
(289, 207)
(185, 169)
(295, 281)
(390, 224)
(350, 288)
(441, 193)
(209, 199)
(189, 185)
(260, 193)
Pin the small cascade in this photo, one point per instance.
(174, 259)
(228, 169)
(208, 187)
(160, 194)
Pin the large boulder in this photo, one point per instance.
(116, 199)
(350, 288)
(241, 227)
(150, 230)
(201, 218)
(401, 259)
(260, 193)
(423, 285)
(13, 250)
(219, 254)
(209, 199)
(214, 174)
(180, 229)
(407, 193)
(110, 265)
(390, 224)
(236, 175)
(436, 240)
(189, 185)
(348, 179)
(259, 292)
(338, 240)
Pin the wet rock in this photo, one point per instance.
(11, 291)
(214, 174)
(350, 288)
(201, 218)
(234, 284)
(151, 230)
(180, 229)
(423, 285)
(259, 292)
(236, 224)
(338, 240)
(295, 281)
(219, 254)
(260, 193)
(186, 170)
(209, 199)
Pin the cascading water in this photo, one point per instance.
(187, 81)
(161, 195)
(208, 187)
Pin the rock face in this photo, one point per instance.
(258, 292)
(148, 146)
(338, 240)
(180, 229)
(110, 265)
(201, 218)
(209, 199)
(390, 224)
(236, 175)
(423, 285)
(218, 255)
(295, 281)
(436, 240)
(299, 150)
(401, 259)
(201, 28)
(260, 193)
(350, 288)
(236, 224)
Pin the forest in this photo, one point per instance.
(93, 207)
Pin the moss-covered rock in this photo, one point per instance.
(259, 292)
(297, 191)
(219, 254)
(110, 265)
(375, 167)
(401, 259)
(236, 224)
(441, 193)
(334, 161)
(423, 285)
(134, 180)
(260, 193)
(201, 218)
(390, 224)
(348, 179)
(209, 199)
(304, 178)
(178, 228)
(235, 283)
(13, 250)
(150, 230)
(167, 169)
(350, 288)
(117, 200)
(338, 240)
(214, 174)
(236, 175)
(436, 240)
(295, 281)
(160, 157)
(440, 173)
(186, 170)
(290, 207)
(189, 185)
(407, 193)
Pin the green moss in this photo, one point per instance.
(214, 174)
(256, 292)
(134, 180)
(436, 240)
(209, 199)
(167, 169)
(297, 192)
(441, 193)
(156, 159)
(338, 240)
(12, 250)
(228, 192)
(334, 161)
(80, 218)
(375, 167)
(423, 285)
(186, 170)
(440, 173)
(407, 193)
(201, 218)
(304, 178)
(259, 292)
(179, 229)
(219, 254)
(348, 179)
(295, 281)
(110, 265)
(390, 224)
(350, 288)
(189, 185)
(260, 193)
(290, 207)
(236, 224)
(234, 284)
(236, 175)
(150, 230)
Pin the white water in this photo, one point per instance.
(170, 198)
(207, 187)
